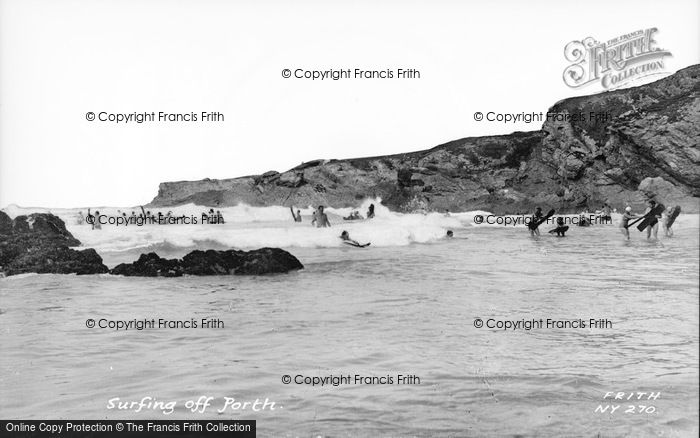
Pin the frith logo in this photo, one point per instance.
(615, 62)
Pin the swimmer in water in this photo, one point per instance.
(560, 227)
(346, 238)
(355, 215)
(370, 211)
(665, 216)
(582, 221)
(320, 218)
(449, 234)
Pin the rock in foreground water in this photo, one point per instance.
(212, 262)
(40, 243)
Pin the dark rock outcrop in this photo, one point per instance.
(149, 265)
(211, 262)
(40, 243)
(647, 146)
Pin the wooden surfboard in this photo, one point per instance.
(534, 224)
(651, 216)
(672, 217)
(356, 245)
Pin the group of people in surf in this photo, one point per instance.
(604, 215)
(145, 215)
(654, 214)
(214, 216)
(650, 219)
(320, 219)
(94, 219)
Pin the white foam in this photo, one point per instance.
(254, 227)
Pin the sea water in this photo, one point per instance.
(405, 306)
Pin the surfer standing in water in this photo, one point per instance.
(370, 211)
(606, 216)
(561, 228)
(320, 218)
(94, 220)
(665, 218)
(653, 226)
(626, 216)
(533, 220)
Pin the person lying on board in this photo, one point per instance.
(370, 211)
(346, 238)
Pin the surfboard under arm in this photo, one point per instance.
(535, 225)
(674, 215)
(649, 217)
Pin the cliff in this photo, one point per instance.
(647, 146)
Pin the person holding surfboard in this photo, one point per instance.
(624, 223)
(561, 229)
(533, 220)
(668, 218)
(653, 222)
(537, 219)
(94, 220)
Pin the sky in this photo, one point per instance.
(61, 59)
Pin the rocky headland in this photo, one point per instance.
(648, 146)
